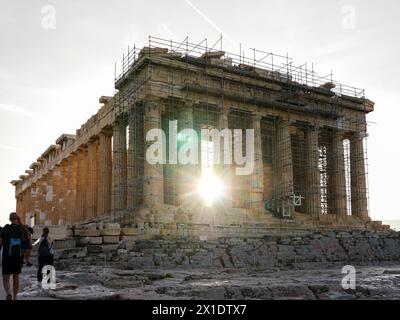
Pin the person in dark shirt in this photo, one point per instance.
(11, 238)
(45, 252)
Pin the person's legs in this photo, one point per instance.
(39, 272)
(6, 283)
(28, 257)
(15, 285)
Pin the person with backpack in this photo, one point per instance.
(11, 238)
(46, 252)
(27, 244)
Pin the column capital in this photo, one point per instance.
(359, 134)
(106, 131)
(82, 148)
(256, 116)
(154, 104)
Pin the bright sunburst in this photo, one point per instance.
(210, 188)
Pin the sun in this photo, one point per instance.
(210, 188)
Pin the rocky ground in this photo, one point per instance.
(319, 282)
(307, 266)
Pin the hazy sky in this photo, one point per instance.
(51, 78)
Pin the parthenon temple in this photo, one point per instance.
(309, 148)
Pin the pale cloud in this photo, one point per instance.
(18, 111)
(165, 30)
(9, 148)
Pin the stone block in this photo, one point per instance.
(129, 238)
(129, 232)
(66, 244)
(111, 232)
(90, 226)
(111, 226)
(90, 233)
(78, 232)
(91, 240)
(71, 253)
(56, 232)
(110, 239)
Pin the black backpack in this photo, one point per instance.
(15, 240)
(44, 248)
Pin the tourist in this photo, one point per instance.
(27, 247)
(27, 244)
(46, 252)
(11, 238)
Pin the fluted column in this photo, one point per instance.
(42, 200)
(105, 175)
(359, 204)
(71, 206)
(63, 191)
(283, 178)
(35, 202)
(49, 197)
(28, 204)
(131, 177)
(186, 172)
(19, 203)
(313, 178)
(257, 177)
(81, 184)
(23, 206)
(119, 168)
(337, 176)
(91, 196)
(225, 170)
(56, 195)
(153, 179)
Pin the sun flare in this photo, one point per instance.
(210, 188)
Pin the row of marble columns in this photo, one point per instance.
(337, 196)
(75, 190)
(94, 182)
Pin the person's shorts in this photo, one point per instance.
(26, 246)
(11, 265)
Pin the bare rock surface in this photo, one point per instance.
(276, 267)
(318, 282)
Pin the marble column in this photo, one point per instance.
(28, 205)
(35, 202)
(49, 198)
(283, 178)
(187, 173)
(105, 175)
(337, 176)
(56, 195)
(63, 191)
(71, 206)
(313, 178)
(153, 180)
(225, 170)
(42, 199)
(82, 169)
(119, 168)
(359, 204)
(257, 177)
(91, 196)
(131, 176)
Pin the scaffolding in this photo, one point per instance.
(256, 76)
